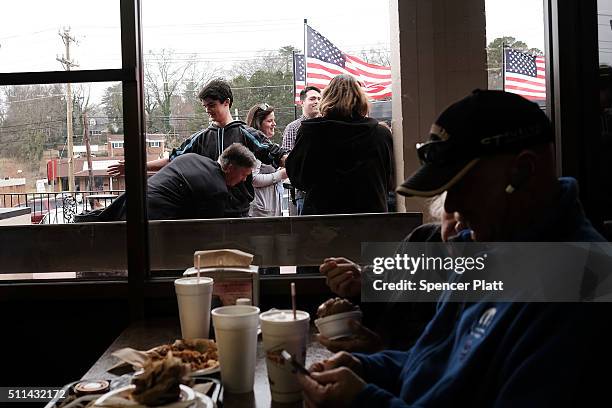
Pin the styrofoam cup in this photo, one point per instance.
(281, 332)
(337, 325)
(236, 335)
(193, 298)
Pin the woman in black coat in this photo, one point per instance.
(342, 160)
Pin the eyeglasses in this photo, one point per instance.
(264, 106)
(438, 152)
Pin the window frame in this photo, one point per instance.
(131, 76)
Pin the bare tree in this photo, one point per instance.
(377, 56)
(164, 75)
(34, 118)
(268, 61)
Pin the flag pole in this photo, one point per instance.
(294, 86)
(503, 67)
(305, 52)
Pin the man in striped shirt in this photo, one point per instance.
(310, 98)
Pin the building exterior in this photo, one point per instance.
(105, 156)
(12, 186)
(156, 145)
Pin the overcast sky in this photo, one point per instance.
(223, 32)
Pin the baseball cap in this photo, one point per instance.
(485, 123)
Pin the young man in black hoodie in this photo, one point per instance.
(217, 99)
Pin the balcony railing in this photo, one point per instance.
(59, 208)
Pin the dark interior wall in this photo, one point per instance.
(53, 342)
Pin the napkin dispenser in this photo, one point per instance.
(234, 276)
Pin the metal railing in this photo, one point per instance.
(59, 207)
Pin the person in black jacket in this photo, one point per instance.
(190, 187)
(342, 160)
(217, 99)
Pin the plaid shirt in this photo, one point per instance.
(291, 132)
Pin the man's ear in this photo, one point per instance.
(523, 168)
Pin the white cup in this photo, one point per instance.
(280, 332)
(194, 297)
(236, 335)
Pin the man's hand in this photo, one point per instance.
(332, 388)
(343, 276)
(118, 169)
(341, 359)
(363, 340)
(281, 161)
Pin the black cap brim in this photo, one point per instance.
(433, 179)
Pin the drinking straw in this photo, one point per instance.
(198, 266)
(293, 299)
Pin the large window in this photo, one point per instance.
(60, 104)
(253, 48)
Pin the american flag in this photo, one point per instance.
(324, 61)
(525, 74)
(299, 75)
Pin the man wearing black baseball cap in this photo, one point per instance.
(493, 154)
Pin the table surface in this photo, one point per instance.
(147, 334)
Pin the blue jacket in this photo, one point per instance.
(494, 354)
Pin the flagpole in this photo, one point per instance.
(503, 67)
(305, 52)
(294, 86)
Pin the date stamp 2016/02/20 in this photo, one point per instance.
(30, 394)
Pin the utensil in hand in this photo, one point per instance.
(294, 363)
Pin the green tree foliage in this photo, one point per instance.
(495, 57)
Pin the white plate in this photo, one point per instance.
(187, 394)
(206, 371)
